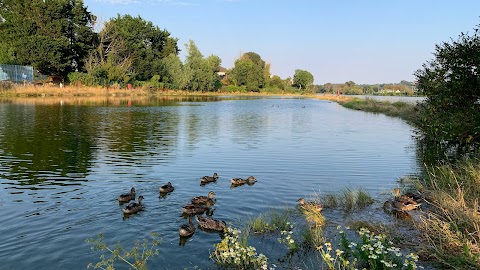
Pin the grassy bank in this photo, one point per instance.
(451, 220)
(402, 110)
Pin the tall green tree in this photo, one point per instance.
(172, 70)
(199, 73)
(145, 43)
(53, 36)
(249, 70)
(302, 79)
(451, 82)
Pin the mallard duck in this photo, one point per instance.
(167, 188)
(400, 203)
(211, 224)
(187, 230)
(208, 200)
(311, 206)
(134, 207)
(208, 179)
(241, 181)
(126, 197)
(193, 209)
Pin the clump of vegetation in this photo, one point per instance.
(136, 258)
(270, 222)
(370, 252)
(453, 224)
(286, 238)
(313, 236)
(347, 199)
(396, 109)
(232, 253)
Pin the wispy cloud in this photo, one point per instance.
(151, 2)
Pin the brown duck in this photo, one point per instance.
(208, 179)
(187, 230)
(167, 188)
(311, 206)
(126, 197)
(194, 209)
(134, 207)
(207, 200)
(211, 224)
(241, 181)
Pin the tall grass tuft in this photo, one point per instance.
(453, 224)
(270, 222)
(347, 199)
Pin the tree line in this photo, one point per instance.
(57, 37)
(404, 88)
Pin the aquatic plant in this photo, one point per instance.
(347, 199)
(270, 222)
(286, 238)
(371, 252)
(231, 253)
(135, 258)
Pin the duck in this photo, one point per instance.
(134, 207)
(208, 179)
(187, 230)
(241, 181)
(167, 188)
(194, 209)
(208, 200)
(126, 197)
(310, 206)
(211, 224)
(400, 203)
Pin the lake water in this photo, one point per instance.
(63, 165)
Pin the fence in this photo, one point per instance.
(17, 74)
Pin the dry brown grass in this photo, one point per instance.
(452, 227)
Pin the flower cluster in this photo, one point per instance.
(373, 252)
(230, 253)
(286, 237)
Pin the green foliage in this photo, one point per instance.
(249, 71)
(270, 222)
(135, 258)
(402, 110)
(235, 89)
(84, 79)
(231, 253)
(373, 252)
(451, 83)
(52, 36)
(347, 199)
(199, 73)
(142, 42)
(302, 79)
(172, 70)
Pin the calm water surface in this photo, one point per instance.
(63, 166)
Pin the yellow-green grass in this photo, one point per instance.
(347, 199)
(452, 224)
(270, 222)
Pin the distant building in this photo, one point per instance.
(222, 73)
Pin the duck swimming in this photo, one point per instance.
(187, 230)
(193, 209)
(211, 224)
(126, 197)
(208, 179)
(167, 188)
(134, 207)
(241, 181)
(208, 200)
(310, 206)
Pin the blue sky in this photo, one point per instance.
(364, 41)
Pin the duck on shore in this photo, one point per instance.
(126, 197)
(134, 207)
(309, 206)
(208, 179)
(401, 203)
